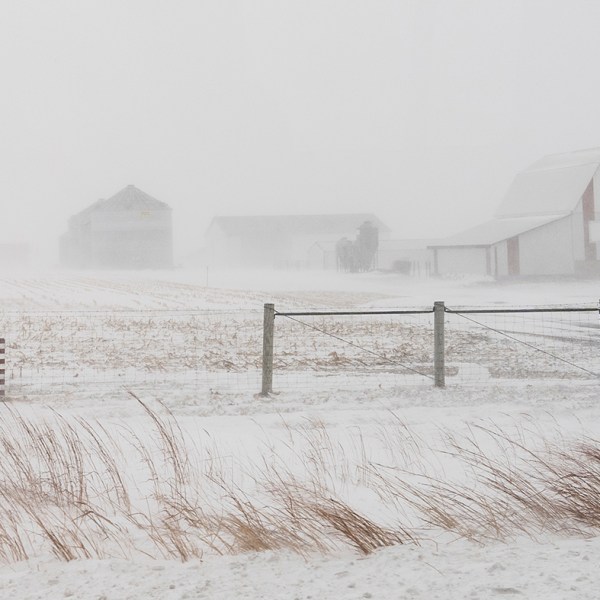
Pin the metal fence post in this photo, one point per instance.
(439, 371)
(267, 357)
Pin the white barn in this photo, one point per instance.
(546, 224)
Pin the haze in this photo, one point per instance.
(419, 111)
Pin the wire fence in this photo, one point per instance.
(479, 345)
(194, 353)
(523, 343)
(169, 351)
(353, 351)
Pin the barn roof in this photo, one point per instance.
(298, 224)
(494, 231)
(129, 198)
(546, 191)
(552, 185)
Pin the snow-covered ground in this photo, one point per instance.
(549, 570)
(344, 430)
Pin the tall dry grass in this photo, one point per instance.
(79, 489)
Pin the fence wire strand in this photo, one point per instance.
(357, 346)
(523, 342)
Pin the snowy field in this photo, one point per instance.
(140, 462)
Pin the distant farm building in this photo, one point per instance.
(546, 224)
(407, 257)
(130, 230)
(292, 241)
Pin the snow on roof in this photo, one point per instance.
(552, 185)
(567, 159)
(547, 190)
(299, 224)
(495, 231)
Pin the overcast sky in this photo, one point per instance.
(420, 111)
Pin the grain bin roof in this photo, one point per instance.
(295, 224)
(129, 198)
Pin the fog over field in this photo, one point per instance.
(419, 111)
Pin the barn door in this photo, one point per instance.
(512, 248)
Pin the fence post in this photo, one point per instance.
(2, 368)
(439, 371)
(267, 358)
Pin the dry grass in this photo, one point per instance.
(510, 490)
(75, 489)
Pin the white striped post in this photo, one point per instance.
(2, 368)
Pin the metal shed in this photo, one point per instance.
(287, 241)
(130, 230)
